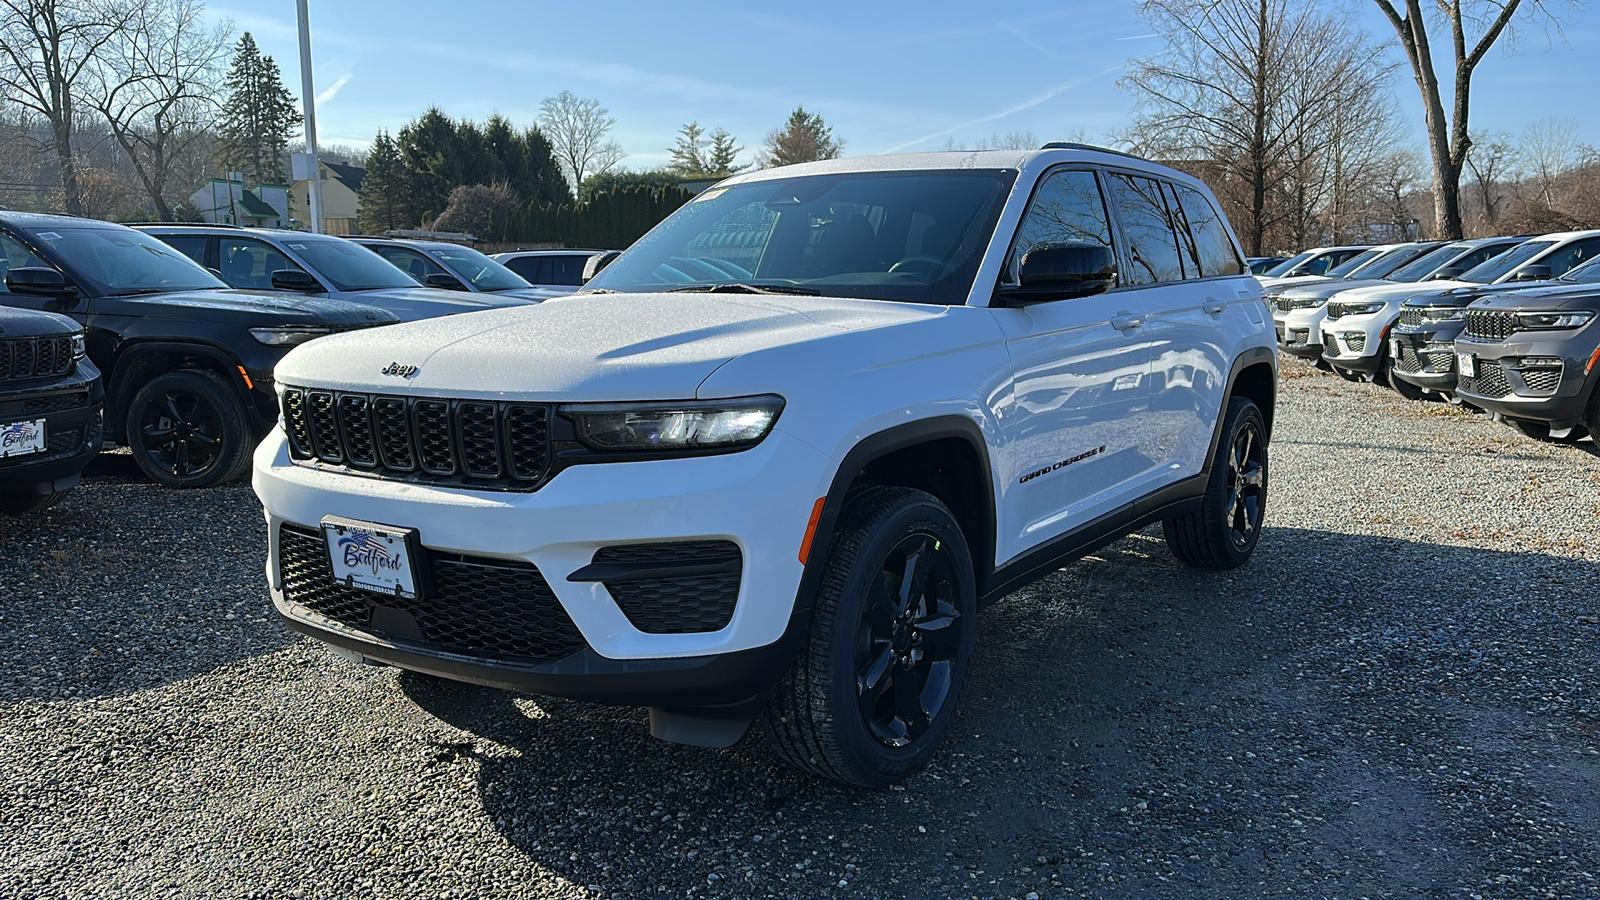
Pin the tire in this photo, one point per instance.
(22, 504)
(188, 429)
(870, 622)
(1223, 532)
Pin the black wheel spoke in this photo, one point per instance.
(919, 563)
(939, 639)
(872, 680)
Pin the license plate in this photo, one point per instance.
(1464, 363)
(22, 438)
(1394, 348)
(376, 558)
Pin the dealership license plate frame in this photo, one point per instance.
(1465, 365)
(38, 443)
(370, 570)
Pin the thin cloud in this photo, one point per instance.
(1138, 37)
(331, 91)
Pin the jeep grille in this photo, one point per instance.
(44, 357)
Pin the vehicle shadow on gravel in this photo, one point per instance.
(1346, 715)
(127, 586)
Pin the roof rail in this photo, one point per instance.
(185, 224)
(1073, 145)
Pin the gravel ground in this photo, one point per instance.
(1396, 698)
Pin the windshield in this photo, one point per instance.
(480, 271)
(908, 236)
(1282, 269)
(113, 261)
(349, 267)
(1428, 263)
(1386, 264)
(1344, 269)
(1588, 273)
(1491, 271)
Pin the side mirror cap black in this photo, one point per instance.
(297, 280)
(1532, 273)
(1060, 271)
(593, 265)
(40, 281)
(1449, 274)
(444, 280)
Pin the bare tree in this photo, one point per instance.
(577, 129)
(1550, 149)
(1448, 137)
(158, 89)
(1011, 140)
(47, 49)
(1269, 100)
(1490, 158)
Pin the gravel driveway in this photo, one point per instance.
(1396, 698)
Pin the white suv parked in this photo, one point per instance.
(1355, 332)
(920, 383)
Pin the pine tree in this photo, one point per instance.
(720, 162)
(258, 118)
(803, 138)
(382, 188)
(689, 154)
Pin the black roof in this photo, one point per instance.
(45, 220)
(350, 175)
(256, 207)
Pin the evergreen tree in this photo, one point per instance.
(428, 151)
(382, 188)
(803, 138)
(542, 181)
(689, 154)
(720, 161)
(258, 117)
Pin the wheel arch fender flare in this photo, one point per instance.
(119, 394)
(1252, 360)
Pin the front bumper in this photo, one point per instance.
(1425, 356)
(1356, 343)
(759, 499)
(71, 409)
(1299, 332)
(1502, 384)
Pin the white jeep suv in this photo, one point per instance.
(772, 460)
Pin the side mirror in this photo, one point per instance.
(1449, 274)
(1060, 271)
(593, 265)
(296, 280)
(1531, 273)
(445, 281)
(39, 281)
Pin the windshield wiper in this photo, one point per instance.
(136, 292)
(741, 288)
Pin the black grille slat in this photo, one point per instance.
(325, 440)
(1357, 342)
(480, 445)
(686, 604)
(51, 403)
(43, 357)
(472, 443)
(355, 426)
(479, 606)
(1409, 361)
(1542, 381)
(1410, 316)
(1490, 324)
(1491, 379)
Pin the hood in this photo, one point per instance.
(267, 306)
(1328, 287)
(21, 323)
(411, 304)
(1544, 297)
(586, 347)
(1278, 284)
(530, 294)
(1463, 296)
(1391, 292)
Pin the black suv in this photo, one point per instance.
(50, 400)
(187, 360)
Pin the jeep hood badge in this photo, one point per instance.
(400, 371)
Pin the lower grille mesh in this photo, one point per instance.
(682, 604)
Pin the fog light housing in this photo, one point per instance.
(1541, 362)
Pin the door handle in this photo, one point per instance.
(1126, 321)
(1213, 307)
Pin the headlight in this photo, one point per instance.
(288, 335)
(1360, 309)
(78, 349)
(1443, 313)
(666, 427)
(1551, 321)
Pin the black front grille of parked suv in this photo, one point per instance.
(42, 357)
(481, 607)
(1490, 324)
(469, 443)
(1544, 380)
(1411, 316)
(699, 597)
(1491, 380)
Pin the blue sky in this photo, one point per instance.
(888, 76)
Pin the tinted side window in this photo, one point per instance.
(250, 264)
(526, 266)
(190, 245)
(410, 262)
(1480, 256)
(15, 256)
(566, 270)
(1211, 241)
(1180, 227)
(1067, 209)
(1151, 241)
(1570, 255)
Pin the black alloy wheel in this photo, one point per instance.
(187, 429)
(874, 689)
(908, 641)
(1222, 533)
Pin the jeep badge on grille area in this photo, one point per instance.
(400, 371)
